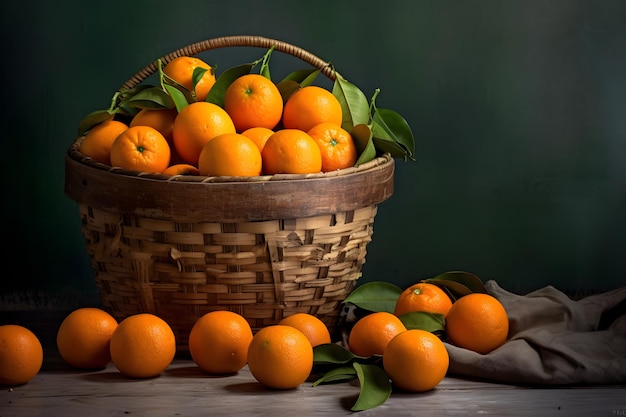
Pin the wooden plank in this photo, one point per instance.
(183, 390)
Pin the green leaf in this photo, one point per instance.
(342, 373)
(332, 353)
(196, 76)
(362, 136)
(126, 110)
(375, 296)
(92, 119)
(458, 283)
(390, 125)
(471, 281)
(265, 63)
(430, 322)
(386, 145)
(375, 387)
(152, 98)
(287, 88)
(354, 104)
(455, 289)
(180, 101)
(303, 77)
(216, 94)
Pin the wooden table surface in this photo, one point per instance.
(183, 390)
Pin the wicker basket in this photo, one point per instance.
(264, 247)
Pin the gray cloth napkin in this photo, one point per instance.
(553, 340)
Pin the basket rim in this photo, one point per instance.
(218, 199)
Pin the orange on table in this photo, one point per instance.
(313, 328)
(98, 140)
(371, 333)
(280, 357)
(83, 338)
(425, 297)
(141, 148)
(181, 69)
(142, 346)
(230, 154)
(253, 100)
(416, 360)
(195, 125)
(181, 169)
(218, 342)
(259, 135)
(159, 119)
(477, 322)
(336, 144)
(291, 151)
(21, 354)
(310, 106)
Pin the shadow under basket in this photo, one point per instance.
(265, 247)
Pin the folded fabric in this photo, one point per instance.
(553, 340)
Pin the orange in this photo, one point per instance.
(230, 154)
(97, 142)
(160, 119)
(83, 338)
(416, 360)
(181, 70)
(259, 135)
(195, 125)
(336, 144)
(424, 297)
(21, 355)
(142, 346)
(141, 148)
(310, 106)
(313, 328)
(181, 169)
(371, 333)
(280, 357)
(291, 151)
(477, 322)
(253, 100)
(218, 342)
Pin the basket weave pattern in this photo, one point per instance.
(262, 270)
(264, 247)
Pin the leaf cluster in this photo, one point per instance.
(375, 130)
(337, 364)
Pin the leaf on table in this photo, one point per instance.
(339, 374)
(430, 322)
(332, 353)
(375, 386)
(375, 296)
(458, 283)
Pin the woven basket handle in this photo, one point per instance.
(233, 41)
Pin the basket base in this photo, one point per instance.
(263, 270)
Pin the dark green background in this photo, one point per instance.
(518, 109)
